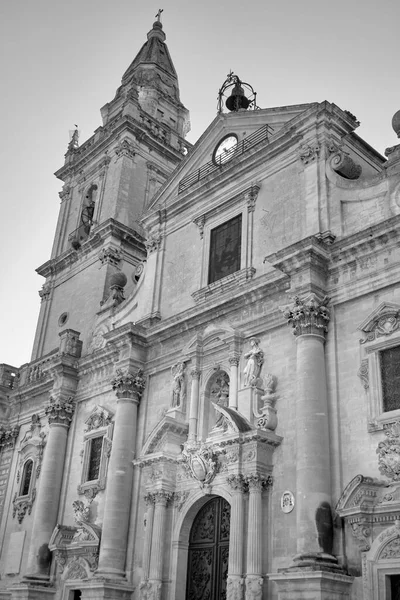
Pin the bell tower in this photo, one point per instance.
(108, 182)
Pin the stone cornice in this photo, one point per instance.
(103, 136)
(100, 235)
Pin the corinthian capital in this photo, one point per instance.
(309, 315)
(60, 411)
(128, 385)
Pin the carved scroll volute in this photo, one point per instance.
(128, 385)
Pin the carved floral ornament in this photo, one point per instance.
(128, 385)
(100, 417)
(308, 152)
(389, 453)
(8, 436)
(60, 411)
(309, 315)
(110, 256)
(153, 242)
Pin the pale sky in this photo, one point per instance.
(61, 61)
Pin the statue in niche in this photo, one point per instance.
(220, 395)
(179, 385)
(255, 360)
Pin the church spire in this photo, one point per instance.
(153, 66)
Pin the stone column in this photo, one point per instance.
(128, 388)
(194, 404)
(309, 318)
(59, 412)
(235, 567)
(161, 499)
(145, 586)
(254, 579)
(233, 382)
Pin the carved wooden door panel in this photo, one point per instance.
(209, 552)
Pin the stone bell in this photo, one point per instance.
(237, 99)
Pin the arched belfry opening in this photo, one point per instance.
(208, 553)
(81, 234)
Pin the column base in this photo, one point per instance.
(150, 589)
(105, 589)
(110, 574)
(311, 584)
(316, 561)
(32, 590)
(234, 587)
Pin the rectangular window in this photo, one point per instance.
(225, 249)
(390, 375)
(96, 446)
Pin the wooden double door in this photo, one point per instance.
(209, 552)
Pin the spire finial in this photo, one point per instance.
(74, 139)
(158, 15)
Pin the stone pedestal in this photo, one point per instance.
(103, 589)
(129, 388)
(249, 400)
(312, 585)
(32, 591)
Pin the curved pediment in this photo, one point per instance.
(384, 320)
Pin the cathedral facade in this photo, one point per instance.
(212, 408)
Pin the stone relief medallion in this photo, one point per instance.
(287, 502)
(389, 453)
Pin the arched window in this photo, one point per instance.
(86, 218)
(26, 478)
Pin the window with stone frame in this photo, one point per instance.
(26, 479)
(226, 231)
(390, 377)
(380, 365)
(225, 249)
(97, 442)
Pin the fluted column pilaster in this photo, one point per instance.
(236, 540)
(233, 381)
(59, 412)
(149, 499)
(254, 537)
(128, 388)
(161, 499)
(194, 404)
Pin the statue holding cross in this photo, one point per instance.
(158, 15)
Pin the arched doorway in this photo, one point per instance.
(209, 551)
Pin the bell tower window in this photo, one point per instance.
(81, 234)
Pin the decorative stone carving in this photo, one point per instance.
(251, 197)
(389, 453)
(180, 499)
(220, 396)
(162, 497)
(234, 588)
(65, 193)
(309, 315)
(125, 148)
(255, 360)
(99, 417)
(179, 385)
(22, 505)
(200, 222)
(60, 411)
(363, 373)
(127, 385)
(81, 511)
(110, 256)
(45, 292)
(266, 418)
(237, 482)
(76, 571)
(392, 549)
(70, 343)
(383, 321)
(195, 373)
(77, 545)
(258, 482)
(201, 462)
(287, 501)
(150, 590)
(362, 533)
(8, 436)
(308, 153)
(153, 242)
(254, 587)
(345, 166)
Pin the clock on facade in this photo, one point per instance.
(225, 149)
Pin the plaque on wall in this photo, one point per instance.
(287, 502)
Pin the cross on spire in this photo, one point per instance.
(158, 15)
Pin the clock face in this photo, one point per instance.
(225, 149)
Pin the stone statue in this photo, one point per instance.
(178, 386)
(255, 359)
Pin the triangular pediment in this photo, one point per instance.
(252, 129)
